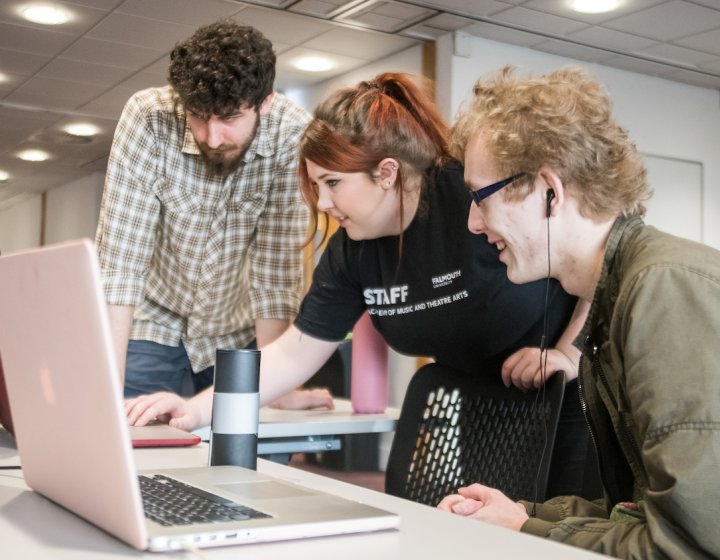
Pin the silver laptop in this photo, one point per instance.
(72, 434)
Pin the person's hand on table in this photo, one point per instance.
(485, 504)
(304, 398)
(522, 368)
(164, 407)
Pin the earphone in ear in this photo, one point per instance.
(549, 196)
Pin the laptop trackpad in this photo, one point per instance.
(263, 490)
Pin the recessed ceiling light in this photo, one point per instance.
(47, 14)
(81, 129)
(313, 64)
(33, 155)
(4, 78)
(594, 6)
(4, 176)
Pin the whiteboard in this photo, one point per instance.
(676, 204)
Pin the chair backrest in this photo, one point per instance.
(456, 429)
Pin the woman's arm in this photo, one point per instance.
(284, 364)
(523, 368)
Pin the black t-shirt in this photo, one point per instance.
(449, 298)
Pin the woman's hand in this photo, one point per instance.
(522, 368)
(302, 399)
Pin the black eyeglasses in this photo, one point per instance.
(481, 194)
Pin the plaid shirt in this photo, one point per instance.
(201, 256)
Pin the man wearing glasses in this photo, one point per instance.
(650, 375)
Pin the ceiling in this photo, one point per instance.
(88, 68)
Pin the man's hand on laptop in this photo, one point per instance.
(163, 407)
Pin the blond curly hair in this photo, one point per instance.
(563, 120)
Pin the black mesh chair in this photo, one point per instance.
(456, 429)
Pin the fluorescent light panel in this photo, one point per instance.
(594, 6)
(33, 155)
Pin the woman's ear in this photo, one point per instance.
(387, 172)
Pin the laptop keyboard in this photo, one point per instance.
(170, 502)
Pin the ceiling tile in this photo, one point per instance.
(708, 41)
(611, 39)
(436, 26)
(188, 12)
(708, 3)
(570, 50)
(473, 8)
(669, 21)
(503, 34)
(144, 80)
(98, 4)
(712, 65)
(85, 72)
(22, 63)
(109, 105)
(639, 65)
(321, 8)
(26, 120)
(83, 17)
(54, 94)
(9, 81)
(283, 27)
(270, 3)
(695, 78)
(562, 8)
(359, 44)
(114, 54)
(142, 32)
(36, 41)
(679, 55)
(384, 15)
(342, 63)
(159, 67)
(539, 21)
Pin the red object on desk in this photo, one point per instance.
(161, 435)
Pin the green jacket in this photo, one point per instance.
(650, 382)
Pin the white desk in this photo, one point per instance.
(33, 527)
(297, 431)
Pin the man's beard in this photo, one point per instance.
(217, 159)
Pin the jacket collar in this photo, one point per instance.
(606, 289)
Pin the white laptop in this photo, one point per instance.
(71, 429)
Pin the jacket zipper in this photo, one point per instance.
(588, 417)
(626, 435)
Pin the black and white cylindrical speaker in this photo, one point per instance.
(236, 408)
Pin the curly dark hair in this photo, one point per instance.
(222, 67)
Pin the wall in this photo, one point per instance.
(72, 210)
(20, 225)
(666, 119)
